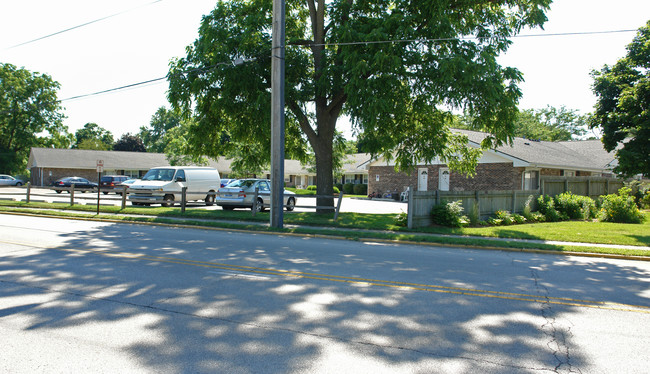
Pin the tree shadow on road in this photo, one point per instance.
(161, 296)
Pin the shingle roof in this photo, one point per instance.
(87, 159)
(584, 154)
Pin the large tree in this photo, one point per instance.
(549, 124)
(129, 143)
(29, 109)
(93, 136)
(161, 123)
(623, 106)
(396, 68)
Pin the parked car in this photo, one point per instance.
(108, 183)
(8, 180)
(80, 184)
(240, 194)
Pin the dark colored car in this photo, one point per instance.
(80, 184)
(109, 183)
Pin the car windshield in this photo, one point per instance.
(243, 183)
(159, 175)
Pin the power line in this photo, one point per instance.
(461, 38)
(239, 61)
(82, 25)
(236, 62)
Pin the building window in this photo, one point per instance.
(349, 178)
(365, 179)
(531, 180)
(568, 173)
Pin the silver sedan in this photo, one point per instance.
(240, 194)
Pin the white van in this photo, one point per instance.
(164, 185)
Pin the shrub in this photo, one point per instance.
(620, 208)
(505, 217)
(528, 211)
(401, 220)
(639, 190)
(547, 208)
(336, 189)
(348, 188)
(519, 219)
(360, 189)
(311, 188)
(645, 202)
(449, 214)
(575, 206)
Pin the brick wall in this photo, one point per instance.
(497, 176)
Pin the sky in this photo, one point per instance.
(140, 37)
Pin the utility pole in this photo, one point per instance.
(277, 115)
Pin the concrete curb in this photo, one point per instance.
(361, 238)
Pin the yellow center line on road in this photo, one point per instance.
(366, 281)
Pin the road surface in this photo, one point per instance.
(79, 296)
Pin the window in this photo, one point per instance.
(531, 180)
(349, 178)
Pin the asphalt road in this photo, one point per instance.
(79, 296)
(351, 205)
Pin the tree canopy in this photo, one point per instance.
(161, 123)
(623, 107)
(548, 124)
(29, 109)
(396, 68)
(129, 143)
(93, 136)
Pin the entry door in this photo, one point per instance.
(443, 180)
(423, 177)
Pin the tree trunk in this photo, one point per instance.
(324, 177)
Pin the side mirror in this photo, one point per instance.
(180, 179)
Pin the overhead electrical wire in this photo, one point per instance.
(341, 44)
(82, 25)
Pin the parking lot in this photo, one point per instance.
(304, 204)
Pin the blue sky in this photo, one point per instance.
(137, 45)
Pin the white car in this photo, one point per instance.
(240, 194)
(8, 180)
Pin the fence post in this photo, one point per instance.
(338, 206)
(29, 188)
(607, 186)
(566, 184)
(254, 208)
(409, 208)
(514, 201)
(124, 196)
(478, 203)
(72, 195)
(183, 198)
(437, 197)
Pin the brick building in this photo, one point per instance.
(516, 167)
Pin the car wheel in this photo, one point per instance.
(209, 199)
(18, 184)
(291, 203)
(260, 205)
(168, 201)
(58, 191)
(105, 192)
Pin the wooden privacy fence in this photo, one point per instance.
(488, 203)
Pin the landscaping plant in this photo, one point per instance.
(449, 214)
(620, 208)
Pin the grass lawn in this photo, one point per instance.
(382, 226)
